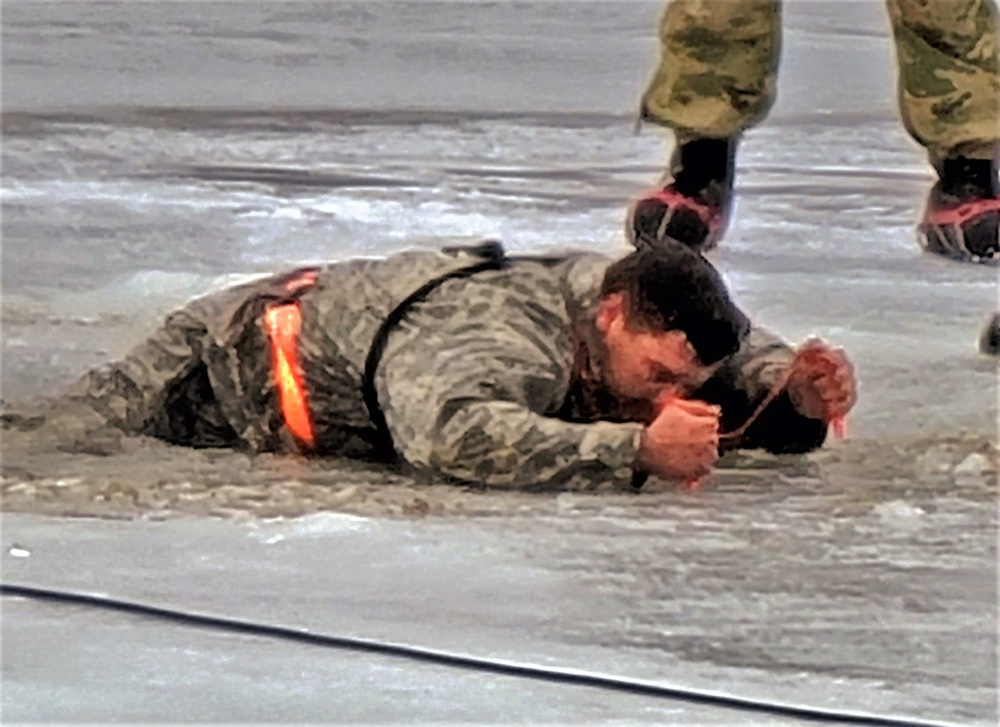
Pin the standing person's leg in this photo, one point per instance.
(716, 78)
(949, 98)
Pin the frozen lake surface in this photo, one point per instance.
(154, 151)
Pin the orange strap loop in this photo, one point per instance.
(283, 323)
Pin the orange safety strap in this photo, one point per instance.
(283, 323)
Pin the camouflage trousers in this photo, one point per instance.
(203, 378)
(719, 59)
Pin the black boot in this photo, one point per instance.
(962, 217)
(693, 206)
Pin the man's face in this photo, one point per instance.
(642, 364)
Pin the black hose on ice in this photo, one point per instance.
(459, 661)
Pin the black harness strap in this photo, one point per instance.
(495, 259)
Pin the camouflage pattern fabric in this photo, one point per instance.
(949, 75)
(719, 58)
(480, 382)
(717, 68)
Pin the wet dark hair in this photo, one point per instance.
(674, 288)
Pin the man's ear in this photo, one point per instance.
(611, 307)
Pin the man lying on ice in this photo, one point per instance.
(467, 364)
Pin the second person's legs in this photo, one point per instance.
(716, 78)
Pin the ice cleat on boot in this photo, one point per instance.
(962, 218)
(693, 206)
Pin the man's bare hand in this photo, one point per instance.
(822, 383)
(682, 441)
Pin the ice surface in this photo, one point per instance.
(153, 151)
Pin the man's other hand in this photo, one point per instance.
(682, 441)
(822, 383)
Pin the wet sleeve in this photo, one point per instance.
(743, 382)
(475, 400)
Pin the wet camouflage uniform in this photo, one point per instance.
(489, 379)
(719, 58)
